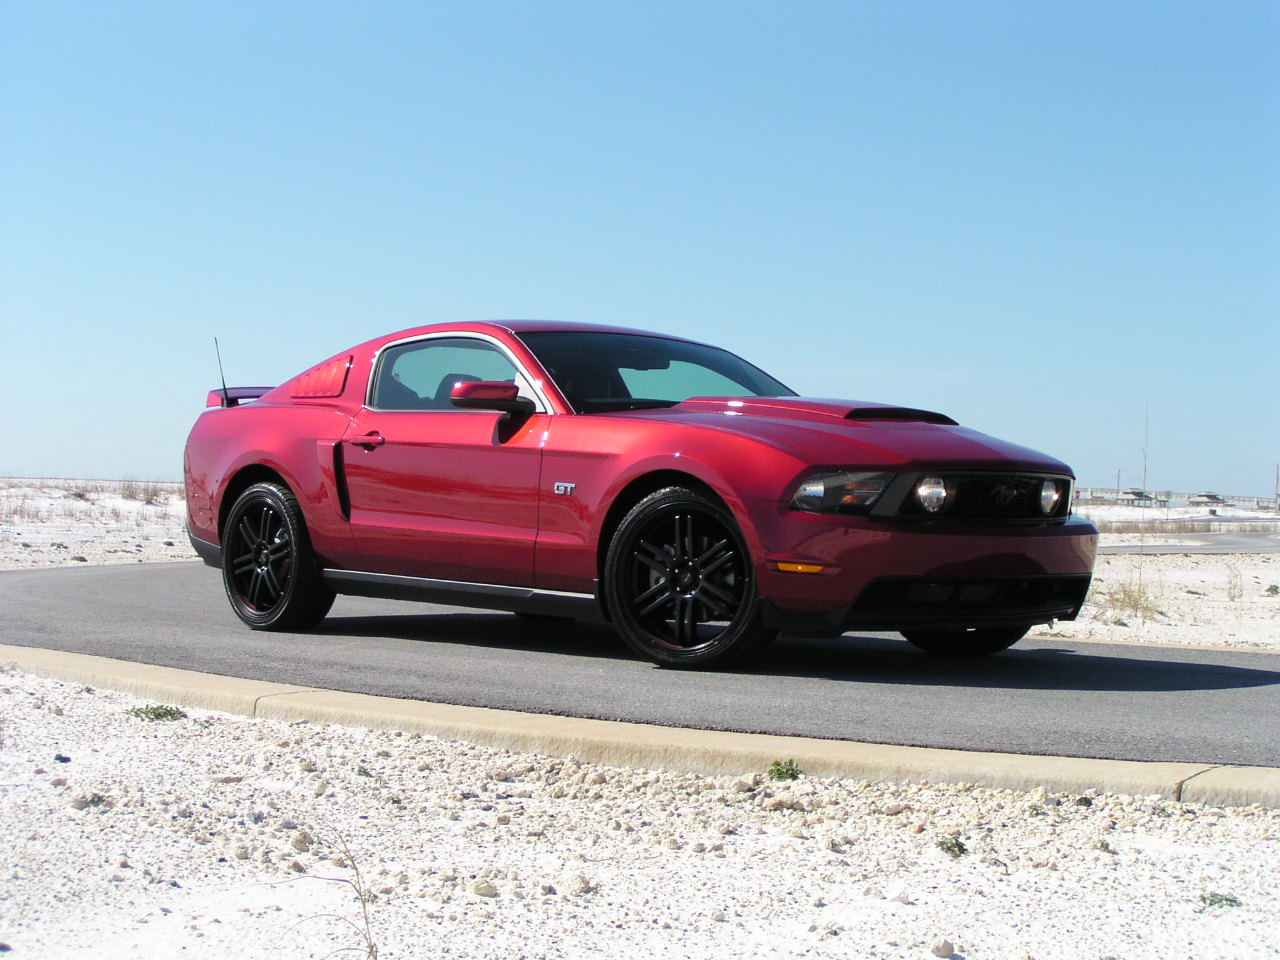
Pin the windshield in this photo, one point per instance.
(601, 372)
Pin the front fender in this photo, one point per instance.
(692, 466)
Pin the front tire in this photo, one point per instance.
(975, 642)
(680, 585)
(268, 568)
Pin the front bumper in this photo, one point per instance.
(892, 575)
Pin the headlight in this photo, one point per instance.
(840, 492)
(932, 493)
(1050, 496)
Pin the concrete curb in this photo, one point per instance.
(647, 745)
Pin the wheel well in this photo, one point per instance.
(242, 481)
(633, 493)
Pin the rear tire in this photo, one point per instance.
(269, 570)
(975, 642)
(680, 585)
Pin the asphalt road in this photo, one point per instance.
(1050, 697)
(1219, 544)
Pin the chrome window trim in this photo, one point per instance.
(541, 403)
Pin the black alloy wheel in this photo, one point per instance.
(268, 568)
(974, 642)
(680, 584)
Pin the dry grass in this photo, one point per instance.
(1134, 599)
(1235, 583)
(153, 491)
(14, 509)
(52, 501)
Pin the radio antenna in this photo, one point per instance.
(226, 396)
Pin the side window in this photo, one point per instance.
(420, 375)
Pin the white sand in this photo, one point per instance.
(50, 523)
(1181, 599)
(199, 848)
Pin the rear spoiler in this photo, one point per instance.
(232, 396)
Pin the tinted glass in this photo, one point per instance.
(598, 372)
(420, 375)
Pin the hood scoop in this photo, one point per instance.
(806, 408)
(898, 413)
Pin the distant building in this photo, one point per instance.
(1207, 498)
(1140, 498)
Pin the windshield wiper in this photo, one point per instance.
(617, 406)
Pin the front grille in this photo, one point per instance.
(990, 496)
(971, 598)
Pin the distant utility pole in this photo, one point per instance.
(1146, 437)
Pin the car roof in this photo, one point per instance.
(527, 326)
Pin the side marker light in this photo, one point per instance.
(801, 567)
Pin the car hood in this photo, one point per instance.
(847, 432)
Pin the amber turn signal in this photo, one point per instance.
(801, 567)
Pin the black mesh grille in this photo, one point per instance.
(963, 598)
(991, 496)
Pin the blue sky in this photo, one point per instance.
(1041, 219)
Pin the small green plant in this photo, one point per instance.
(953, 847)
(1273, 590)
(785, 770)
(1212, 899)
(95, 799)
(363, 771)
(1035, 810)
(1161, 811)
(158, 711)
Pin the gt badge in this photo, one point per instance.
(564, 489)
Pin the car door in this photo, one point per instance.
(440, 492)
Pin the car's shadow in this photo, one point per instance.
(853, 657)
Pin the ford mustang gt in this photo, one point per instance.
(589, 472)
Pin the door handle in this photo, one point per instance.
(369, 440)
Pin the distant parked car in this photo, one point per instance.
(589, 472)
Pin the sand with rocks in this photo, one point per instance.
(51, 523)
(213, 836)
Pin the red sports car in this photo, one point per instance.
(588, 472)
